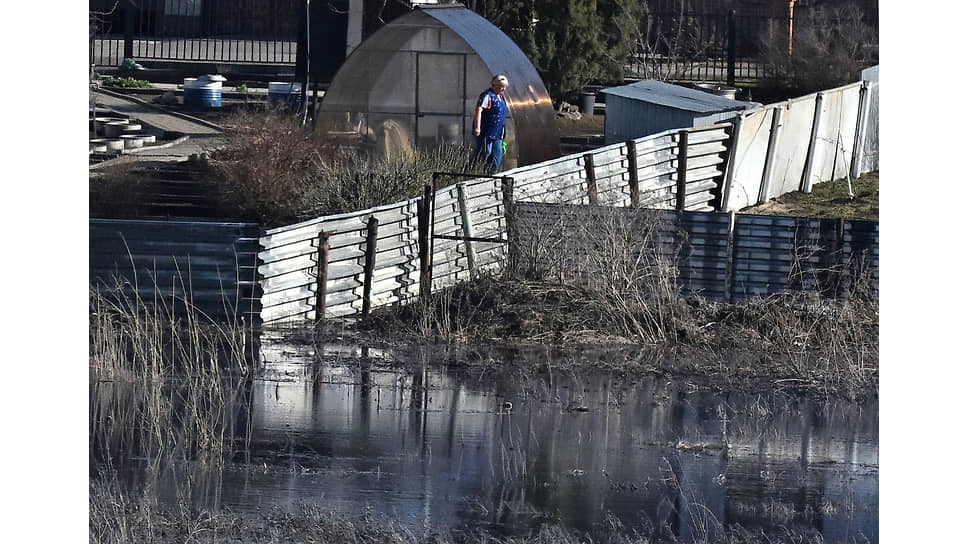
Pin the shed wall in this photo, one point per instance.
(627, 119)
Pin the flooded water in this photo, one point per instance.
(506, 451)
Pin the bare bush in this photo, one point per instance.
(276, 171)
(663, 47)
(624, 262)
(115, 191)
(830, 48)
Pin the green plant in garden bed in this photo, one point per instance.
(127, 82)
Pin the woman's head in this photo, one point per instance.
(499, 83)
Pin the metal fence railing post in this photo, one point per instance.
(129, 24)
(369, 262)
(731, 49)
(682, 170)
(322, 276)
(510, 220)
(466, 228)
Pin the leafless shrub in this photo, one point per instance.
(624, 263)
(830, 47)
(276, 171)
(115, 191)
(663, 47)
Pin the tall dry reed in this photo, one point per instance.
(165, 380)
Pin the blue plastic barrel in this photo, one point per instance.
(202, 94)
(285, 94)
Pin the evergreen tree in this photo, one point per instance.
(570, 42)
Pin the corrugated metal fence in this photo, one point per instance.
(203, 266)
(720, 256)
(671, 170)
(379, 256)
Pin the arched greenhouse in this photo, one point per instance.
(415, 82)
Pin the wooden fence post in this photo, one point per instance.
(592, 185)
(683, 168)
(369, 262)
(466, 227)
(633, 173)
(423, 245)
(510, 221)
(322, 275)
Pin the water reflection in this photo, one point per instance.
(435, 448)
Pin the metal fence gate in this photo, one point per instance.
(237, 31)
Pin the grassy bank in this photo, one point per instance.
(856, 199)
(614, 281)
(788, 341)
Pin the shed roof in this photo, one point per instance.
(675, 96)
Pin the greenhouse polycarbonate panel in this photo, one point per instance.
(530, 105)
(432, 64)
(440, 84)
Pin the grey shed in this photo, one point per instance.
(649, 106)
(415, 83)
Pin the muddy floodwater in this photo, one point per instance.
(435, 448)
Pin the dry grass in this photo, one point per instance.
(613, 280)
(115, 516)
(277, 172)
(831, 199)
(587, 125)
(164, 385)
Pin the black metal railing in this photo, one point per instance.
(717, 45)
(236, 31)
(699, 46)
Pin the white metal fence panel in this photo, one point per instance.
(833, 143)
(750, 157)
(870, 144)
(790, 149)
(553, 181)
(291, 263)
